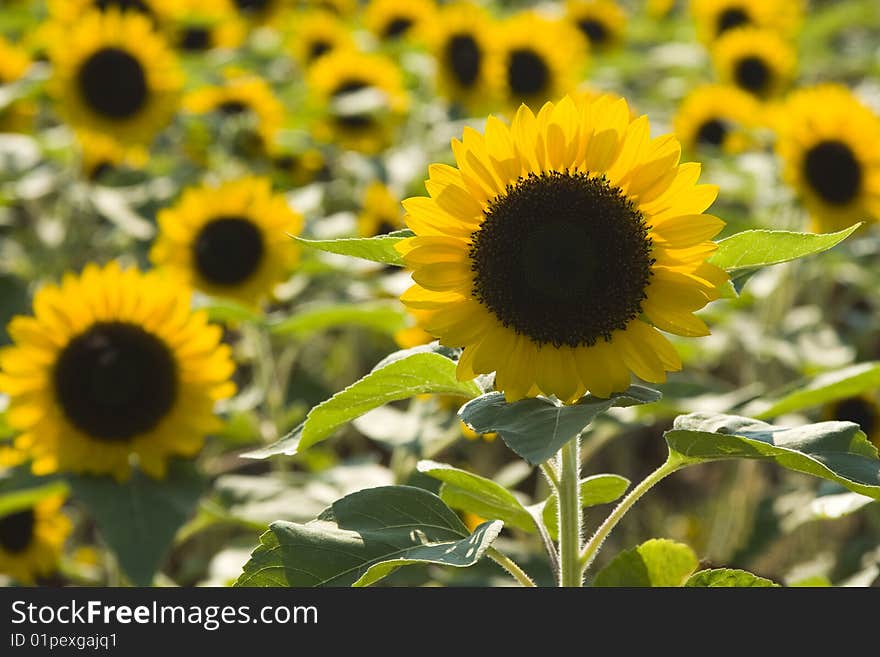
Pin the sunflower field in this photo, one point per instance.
(412, 293)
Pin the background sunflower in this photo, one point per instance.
(31, 539)
(756, 60)
(716, 115)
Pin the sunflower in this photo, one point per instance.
(863, 410)
(756, 60)
(101, 154)
(342, 8)
(31, 539)
(229, 241)
(393, 20)
(717, 17)
(113, 74)
(242, 98)
(200, 25)
(716, 116)
(300, 167)
(260, 11)
(18, 115)
(112, 367)
(461, 45)
(316, 34)
(70, 11)
(828, 142)
(381, 212)
(538, 58)
(602, 22)
(362, 98)
(557, 248)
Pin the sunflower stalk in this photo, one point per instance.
(570, 515)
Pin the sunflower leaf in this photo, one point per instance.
(377, 249)
(761, 248)
(658, 562)
(537, 428)
(364, 537)
(727, 577)
(595, 490)
(416, 374)
(139, 518)
(383, 318)
(836, 451)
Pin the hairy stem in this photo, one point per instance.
(510, 566)
(570, 515)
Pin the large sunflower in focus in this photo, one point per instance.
(717, 17)
(756, 60)
(318, 33)
(716, 116)
(112, 367)
(462, 47)
(829, 143)
(538, 58)
(558, 246)
(362, 98)
(229, 241)
(31, 539)
(113, 74)
(602, 22)
(393, 20)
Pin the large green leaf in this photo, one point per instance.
(837, 451)
(828, 387)
(139, 518)
(383, 318)
(760, 248)
(378, 249)
(415, 374)
(726, 577)
(537, 428)
(365, 536)
(658, 562)
(466, 491)
(596, 489)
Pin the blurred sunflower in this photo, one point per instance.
(863, 410)
(70, 11)
(602, 22)
(17, 116)
(31, 540)
(756, 60)
(318, 33)
(113, 74)
(828, 142)
(229, 241)
(717, 17)
(362, 98)
(200, 25)
(101, 154)
(716, 116)
(113, 366)
(260, 11)
(342, 8)
(461, 44)
(557, 248)
(244, 99)
(381, 213)
(300, 167)
(392, 20)
(538, 58)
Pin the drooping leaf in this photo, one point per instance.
(382, 318)
(596, 489)
(538, 427)
(658, 562)
(139, 518)
(727, 577)
(365, 536)
(416, 374)
(760, 248)
(825, 388)
(837, 451)
(466, 491)
(378, 249)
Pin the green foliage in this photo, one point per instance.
(595, 490)
(658, 562)
(17, 500)
(392, 380)
(139, 518)
(364, 537)
(837, 451)
(726, 577)
(378, 249)
(383, 318)
(537, 428)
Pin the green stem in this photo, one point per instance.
(593, 545)
(570, 514)
(510, 566)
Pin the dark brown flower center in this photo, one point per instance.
(463, 57)
(731, 18)
(752, 74)
(712, 132)
(228, 250)
(527, 72)
(17, 531)
(833, 172)
(595, 31)
(113, 83)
